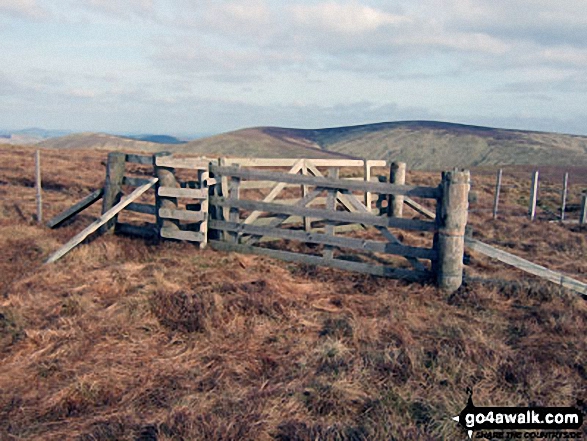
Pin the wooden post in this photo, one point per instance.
(331, 196)
(451, 224)
(203, 176)
(564, 196)
(367, 177)
(38, 186)
(395, 203)
(307, 221)
(166, 177)
(234, 194)
(497, 189)
(533, 196)
(583, 214)
(112, 186)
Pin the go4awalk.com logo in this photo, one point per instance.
(509, 422)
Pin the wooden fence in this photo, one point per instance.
(241, 204)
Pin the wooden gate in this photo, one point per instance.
(315, 219)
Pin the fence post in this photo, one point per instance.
(564, 196)
(451, 224)
(533, 196)
(397, 175)
(583, 214)
(112, 186)
(497, 189)
(367, 177)
(166, 177)
(307, 221)
(38, 186)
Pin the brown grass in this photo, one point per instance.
(126, 340)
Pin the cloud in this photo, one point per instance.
(351, 18)
(28, 9)
(121, 9)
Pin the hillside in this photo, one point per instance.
(259, 142)
(430, 145)
(128, 340)
(424, 145)
(100, 141)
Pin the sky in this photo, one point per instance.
(189, 67)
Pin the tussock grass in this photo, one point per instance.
(125, 340)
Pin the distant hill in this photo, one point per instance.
(259, 142)
(29, 136)
(427, 145)
(100, 141)
(159, 139)
(421, 144)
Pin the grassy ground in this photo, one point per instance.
(126, 340)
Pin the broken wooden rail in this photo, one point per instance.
(104, 219)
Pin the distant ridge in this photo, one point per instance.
(100, 141)
(427, 145)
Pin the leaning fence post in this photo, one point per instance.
(166, 177)
(497, 189)
(397, 175)
(533, 196)
(112, 185)
(583, 214)
(564, 196)
(451, 224)
(38, 186)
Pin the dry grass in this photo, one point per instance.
(125, 340)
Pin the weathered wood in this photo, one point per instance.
(112, 185)
(564, 196)
(205, 182)
(384, 231)
(38, 186)
(360, 218)
(583, 212)
(344, 199)
(183, 215)
(190, 193)
(289, 162)
(80, 237)
(257, 185)
(144, 231)
(189, 163)
(533, 196)
(76, 208)
(330, 205)
(233, 195)
(167, 201)
(191, 236)
(497, 190)
(397, 176)
(367, 178)
(419, 208)
(527, 266)
(305, 189)
(142, 208)
(326, 239)
(139, 159)
(281, 218)
(374, 187)
(377, 270)
(275, 191)
(134, 182)
(451, 229)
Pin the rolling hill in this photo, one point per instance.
(424, 145)
(100, 141)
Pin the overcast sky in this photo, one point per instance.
(179, 66)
